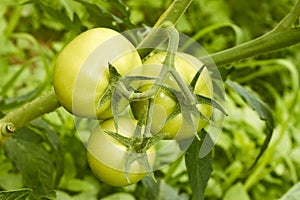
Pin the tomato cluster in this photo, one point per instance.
(85, 76)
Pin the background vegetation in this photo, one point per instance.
(47, 160)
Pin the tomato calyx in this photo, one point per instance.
(136, 151)
(182, 103)
(186, 100)
(137, 147)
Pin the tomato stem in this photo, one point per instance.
(290, 18)
(26, 113)
(171, 16)
(282, 36)
(269, 42)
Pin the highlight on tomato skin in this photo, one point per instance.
(81, 70)
(107, 157)
(177, 127)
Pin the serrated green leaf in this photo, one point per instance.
(34, 162)
(121, 6)
(198, 169)
(261, 108)
(96, 14)
(60, 16)
(20, 194)
(53, 140)
(293, 193)
(102, 17)
(255, 102)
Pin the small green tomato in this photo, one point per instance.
(106, 156)
(176, 127)
(81, 74)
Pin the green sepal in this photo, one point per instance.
(205, 100)
(156, 138)
(149, 117)
(196, 77)
(114, 77)
(187, 110)
(169, 92)
(139, 127)
(127, 142)
(116, 98)
(143, 121)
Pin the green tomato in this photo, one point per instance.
(81, 74)
(176, 127)
(106, 156)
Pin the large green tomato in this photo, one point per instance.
(81, 74)
(106, 156)
(176, 128)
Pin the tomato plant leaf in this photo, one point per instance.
(60, 16)
(120, 6)
(53, 140)
(261, 108)
(101, 16)
(20, 194)
(198, 169)
(36, 163)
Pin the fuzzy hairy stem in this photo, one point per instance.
(171, 16)
(269, 42)
(28, 112)
(282, 36)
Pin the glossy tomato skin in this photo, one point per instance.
(81, 76)
(106, 156)
(176, 128)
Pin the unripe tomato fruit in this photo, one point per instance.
(106, 156)
(81, 71)
(176, 128)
